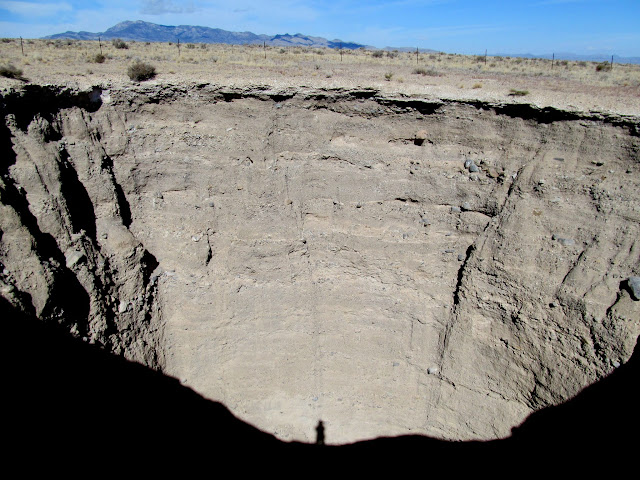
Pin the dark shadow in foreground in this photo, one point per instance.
(73, 406)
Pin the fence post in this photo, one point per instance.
(100, 43)
(264, 47)
(485, 57)
(611, 67)
(22, 47)
(417, 55)
(178, 47)
(340, 51)
(553, 59)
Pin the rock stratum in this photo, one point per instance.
(389, 264)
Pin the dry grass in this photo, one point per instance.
(167, 56)
(63, 61)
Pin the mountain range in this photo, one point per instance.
(151, 32)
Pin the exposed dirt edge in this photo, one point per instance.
(27, 100)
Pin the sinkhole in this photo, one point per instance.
(389, 264)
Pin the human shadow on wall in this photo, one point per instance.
(67, 402)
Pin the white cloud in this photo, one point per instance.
(28, 9)
(161, 7)
(242, 15)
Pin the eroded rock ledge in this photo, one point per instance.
(391, 265)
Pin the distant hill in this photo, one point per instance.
(574, 57)
(151, 32)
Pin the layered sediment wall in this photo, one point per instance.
(388, 264)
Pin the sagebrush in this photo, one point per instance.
(119, 43)
(10, 71)
(426, 72)
(139, 71)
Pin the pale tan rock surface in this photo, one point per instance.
(315, 262)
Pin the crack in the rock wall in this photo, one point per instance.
(81, 212)
(124, 209)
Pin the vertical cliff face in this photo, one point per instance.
(67, 254)
(388, 265)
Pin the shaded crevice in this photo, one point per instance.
(547, 115)
(123, 204)
(460, 276)
(363, 93)
(8, 157)
(148, 263)
(526, 111)
(340, 94)
(407, 199)
(231, 96)
(79, 205)
(209, 252)
(281, 97)
(529, 112)
(424, 107)
(445, 334)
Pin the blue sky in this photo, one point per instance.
(455, 26)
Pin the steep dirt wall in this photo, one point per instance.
(390, 265)
(67, 254)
